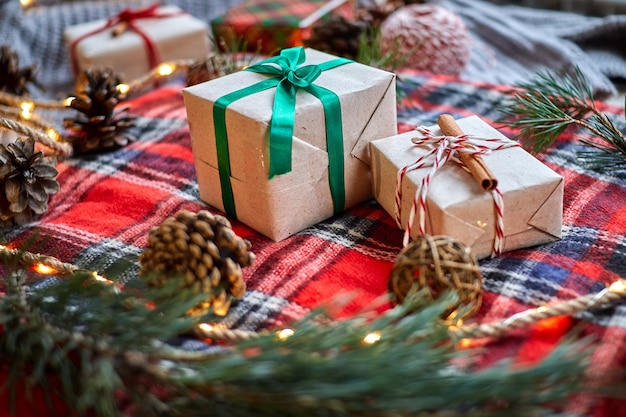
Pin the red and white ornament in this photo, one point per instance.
(432, 38)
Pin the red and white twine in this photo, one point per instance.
(444, 148)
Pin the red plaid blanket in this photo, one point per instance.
(107, 204)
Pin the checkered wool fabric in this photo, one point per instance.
(107, 204)
(509, 44)
(272, 13)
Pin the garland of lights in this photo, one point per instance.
(48, 265)
(18, 113)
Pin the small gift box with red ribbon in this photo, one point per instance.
(268, 26)
(135, 41)
(283, 144)
(421, 179)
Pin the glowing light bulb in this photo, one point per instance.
(53, 134)
(26, 3)
(205, 327)
(123, 88)
(100, 278)
(165, 69)
(618, 286)
(372, 338)
(285, 334)
(27, 109)
(44, 269)
(68, 101)
(465, 343)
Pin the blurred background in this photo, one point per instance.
(589, 7)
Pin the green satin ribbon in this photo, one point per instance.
(288, 77)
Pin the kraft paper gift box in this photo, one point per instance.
(271, 25)
(152, 35)
(302, 196)
(458, 207)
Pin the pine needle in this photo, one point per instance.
(546, 106)
(99, 342)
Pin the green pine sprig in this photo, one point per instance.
(370, 53)
(100, 341)
(546, 106)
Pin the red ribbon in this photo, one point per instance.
(129, 17)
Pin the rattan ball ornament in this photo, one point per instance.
(202, 251)
(438, 264)
(431, 38)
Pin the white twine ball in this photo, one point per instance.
(432, 38)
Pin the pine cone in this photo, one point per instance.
(198, 73)
(341, 36)
(14, 80)
(100, 125)
(28, 179)
(373, 13)
(203, 252)
(338, 36)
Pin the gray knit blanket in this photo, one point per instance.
(509, 43)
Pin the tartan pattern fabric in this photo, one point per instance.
(107, 204)
(271, 12)
(271, 25)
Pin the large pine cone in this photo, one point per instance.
(28, 179)
(344, 37)
(337, 36)
(100, 124)
(13, 79)
(204, 253)
(373, 13)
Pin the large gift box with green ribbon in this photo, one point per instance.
(271, 25)
(134, 41)
(284, 144)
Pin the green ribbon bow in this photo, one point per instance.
(288, 77)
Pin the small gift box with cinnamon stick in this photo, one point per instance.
(134, 41)
(464, 179)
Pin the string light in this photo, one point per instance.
(372, 338)
(68, 101)
(618, 286)
(166, 69)
(285, 334)
(466, 343)
(123, 88)
(465, 336)
(44, 269)
(26, 3)
(27, 109)
(205, 327)
(54, 135)
(100, 278)
(614, 292)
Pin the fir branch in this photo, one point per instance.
(101, 342)
(547, 105)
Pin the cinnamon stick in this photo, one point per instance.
(480, 171)
(119, 29)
